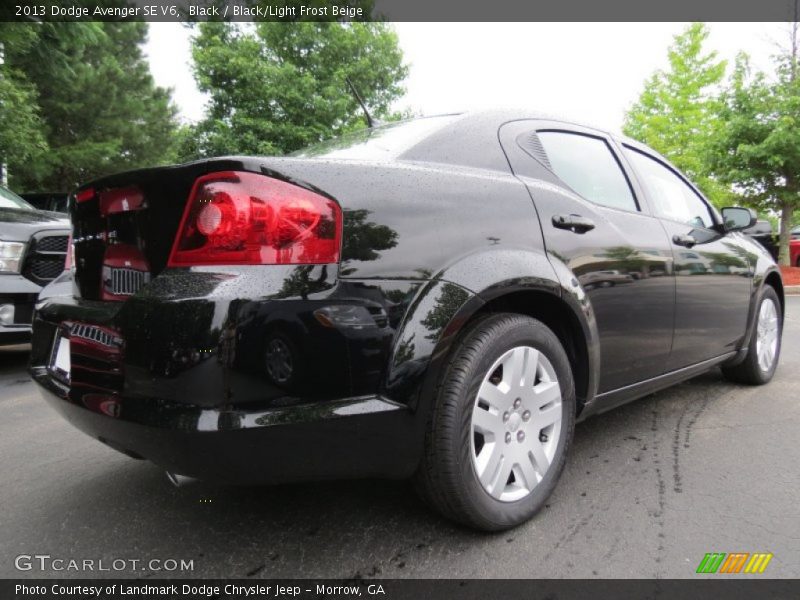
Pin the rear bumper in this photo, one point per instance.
(341, 439)
(177, 375)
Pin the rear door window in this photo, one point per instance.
(588, 166)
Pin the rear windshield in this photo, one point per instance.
(381, 143)
(9, 199)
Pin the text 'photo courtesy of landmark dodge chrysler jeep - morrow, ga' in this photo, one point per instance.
(439, 298)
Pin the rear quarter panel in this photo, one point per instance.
(407, 220)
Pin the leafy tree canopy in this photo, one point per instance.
(677, 114)
(277, 87)
(91, 90)
(21, 132)
(758, 150)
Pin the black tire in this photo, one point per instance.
(749, 371)
(446, 478)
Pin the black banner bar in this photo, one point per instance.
(399, 10)
(410, 589)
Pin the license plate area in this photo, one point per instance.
(60, 365)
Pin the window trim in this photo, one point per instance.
(709, 207)
(612, 151)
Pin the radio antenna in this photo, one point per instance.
(370, 122)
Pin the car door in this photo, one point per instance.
(593, 223)
(713, 270)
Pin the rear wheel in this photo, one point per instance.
(759, 365)
(280, 360)
(503, 421)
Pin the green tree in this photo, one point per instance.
(100, 109)
(677, 113)
(758, 150)
(21, 135)
(278, 87)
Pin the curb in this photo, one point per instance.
(791, 290)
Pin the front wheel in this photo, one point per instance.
(502, 423)
(759, 365)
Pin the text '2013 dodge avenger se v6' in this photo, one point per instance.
(438, 298)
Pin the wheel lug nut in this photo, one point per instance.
(505, 417)
(520, 436)
(508, 437)
(517, 403)
(526, 416)
(543, 437)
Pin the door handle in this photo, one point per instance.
(574, 223)
(684, 240)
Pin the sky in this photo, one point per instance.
(591, 72)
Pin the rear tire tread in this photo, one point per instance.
(438, 477)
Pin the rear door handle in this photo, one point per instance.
(684, 240)
(574, 223)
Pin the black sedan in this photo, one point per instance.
(439, 298)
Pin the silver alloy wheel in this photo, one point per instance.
(767, 332)
(516, 423)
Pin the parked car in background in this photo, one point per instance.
(763, 234)
(796, 233)
(54, 201)
(33, 248)
(605, 279)
(405, 301)
(794, 253)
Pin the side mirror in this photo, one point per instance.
(736, 218)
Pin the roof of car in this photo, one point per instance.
(464, 141)
(505, 115)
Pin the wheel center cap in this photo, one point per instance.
(513, 422)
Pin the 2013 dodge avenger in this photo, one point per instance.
(439, 298)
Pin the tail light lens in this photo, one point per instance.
(240, 218)
(120, 200)
(84, 195)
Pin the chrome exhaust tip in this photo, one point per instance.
(179, 480)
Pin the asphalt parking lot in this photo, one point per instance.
(649, 488)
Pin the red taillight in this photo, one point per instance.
(239, 218)
(84, 195)
(118, 200)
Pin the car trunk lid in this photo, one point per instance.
(124, 226)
